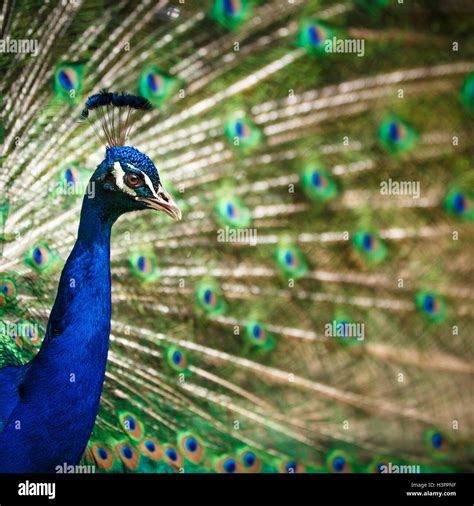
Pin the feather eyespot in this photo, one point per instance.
(128, 455)
(257, 335)
(7, 288)
(151, 449)
(191, 447)
(250, 460)
(227, 464)
(131, 425)
(133, 180)
(437, 442)
(292, 467)
(40, 256)
(172, 456)
(29, 332)
(177, 360)
(103, 456)
(339, 462)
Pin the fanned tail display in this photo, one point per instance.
(313, 309)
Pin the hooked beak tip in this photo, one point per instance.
(179, 216)
(163, 202)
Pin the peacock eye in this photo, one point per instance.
(133, 180)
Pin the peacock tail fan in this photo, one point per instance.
(312, 312)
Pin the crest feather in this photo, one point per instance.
(115, 112)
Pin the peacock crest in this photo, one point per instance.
(115, 113)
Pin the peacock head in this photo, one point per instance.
(127, 179)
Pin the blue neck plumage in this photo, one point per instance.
(63, 383)
(85, 281)
(78, 333)
(96, 222)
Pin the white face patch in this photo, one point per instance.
(150, 185)
(118, 172)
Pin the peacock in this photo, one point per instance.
(304, 300)
(37, 399)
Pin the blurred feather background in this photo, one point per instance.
(321, 152)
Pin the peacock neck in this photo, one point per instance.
(96, 222)
(84, 291)
(65, 379)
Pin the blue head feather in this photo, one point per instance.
(131, 158)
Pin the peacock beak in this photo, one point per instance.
(162, 201)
